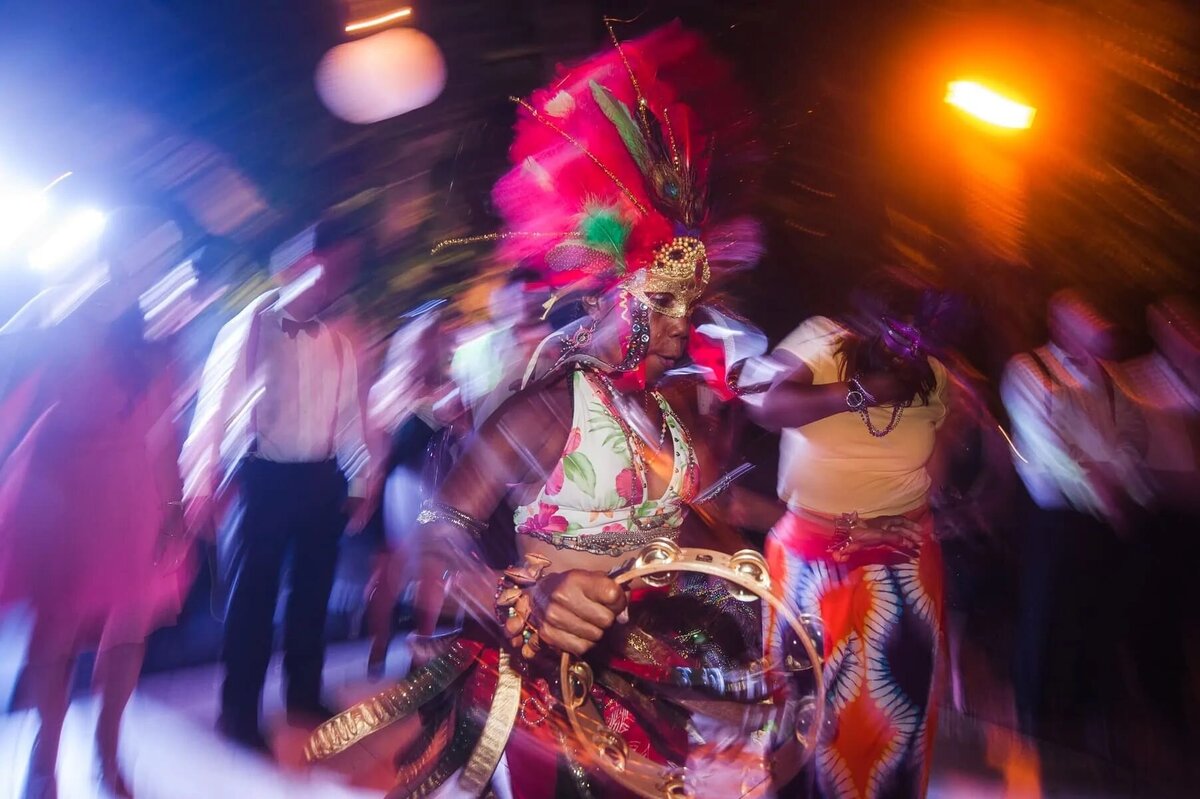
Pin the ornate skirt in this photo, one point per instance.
(882, 617)
(677, 638)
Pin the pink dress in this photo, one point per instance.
(83, 495)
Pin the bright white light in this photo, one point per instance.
(69, 243)
(20, 209)
(992, 107)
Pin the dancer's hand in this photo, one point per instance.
(574, 608)
(897, 533)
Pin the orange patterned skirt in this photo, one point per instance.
(883, 639)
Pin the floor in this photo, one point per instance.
(171, 751)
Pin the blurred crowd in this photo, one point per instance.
(147, 418)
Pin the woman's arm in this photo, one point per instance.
(518, 445)
(793, 400)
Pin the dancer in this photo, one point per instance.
(91, 533)
(420, 410)
(607, 199)
(860, 406)
(1080, 441)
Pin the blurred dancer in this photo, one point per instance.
(279, 403)
(860, 408)
(595, 460)
(1079, 442)
(1165, 385)
(91, 525)
(488, 368)
(418, 408)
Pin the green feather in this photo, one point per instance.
(602, 228)
(618, 114)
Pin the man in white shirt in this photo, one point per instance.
(1079, 442)
(279, 406)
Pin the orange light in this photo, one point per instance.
(382, 19)
(992, 107)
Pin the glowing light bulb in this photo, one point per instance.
(989, 106)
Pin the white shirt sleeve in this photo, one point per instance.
(815, 343)
(1044, 463)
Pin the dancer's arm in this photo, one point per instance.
(517, 446)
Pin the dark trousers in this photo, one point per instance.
(290, 509)
(1072, 619)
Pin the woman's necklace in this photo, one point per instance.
(648, 401)
(649, 398)
(897, 412)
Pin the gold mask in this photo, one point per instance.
(680, 270)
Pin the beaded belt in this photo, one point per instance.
(611, 544)
(395, 704)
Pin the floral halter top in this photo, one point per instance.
(596, 499)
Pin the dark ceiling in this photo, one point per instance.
(129, 92)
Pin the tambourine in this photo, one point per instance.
(746, 576)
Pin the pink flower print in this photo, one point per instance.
(545, 521)
(555, 482)
(615, 527)
(629, 487)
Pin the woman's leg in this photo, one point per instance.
(116, 675)
(48, 670)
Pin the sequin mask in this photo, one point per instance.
(680, 271)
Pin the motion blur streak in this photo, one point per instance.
(383, 19)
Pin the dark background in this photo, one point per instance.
(191, 102)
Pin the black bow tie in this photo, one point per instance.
(293, 328)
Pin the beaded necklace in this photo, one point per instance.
(636, 445)
(897, 412)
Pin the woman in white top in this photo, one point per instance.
(859, 411)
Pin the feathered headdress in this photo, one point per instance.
(613, 165)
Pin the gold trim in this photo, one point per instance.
(398, 702)
(502, 715)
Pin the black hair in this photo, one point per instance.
(864, 351)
